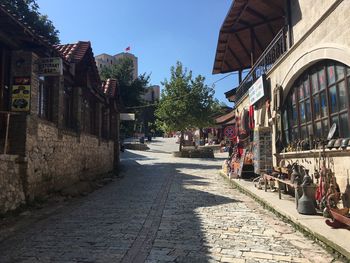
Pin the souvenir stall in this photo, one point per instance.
(311, 142)
(240, 160)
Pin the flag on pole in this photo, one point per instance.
(127, 49)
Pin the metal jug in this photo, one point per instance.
(306, 204)
(295, 176)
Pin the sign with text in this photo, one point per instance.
(127, 116)
(256, 92)
(50, 66)
(20, 99)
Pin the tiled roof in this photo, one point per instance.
(109, 87)
(73, 52)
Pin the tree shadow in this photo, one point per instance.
(181, 236)
(103, 226)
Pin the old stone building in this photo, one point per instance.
(298, 57)
(58, 121)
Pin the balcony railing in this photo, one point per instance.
(268, 58)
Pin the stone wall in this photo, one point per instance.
(11, 190)
(58, 158)
(305, 13)
(326, 38)
(336, 160)
(323, 42)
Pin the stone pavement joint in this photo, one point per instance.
(164, 209)
(143, 243)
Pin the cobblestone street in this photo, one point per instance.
(163, 209)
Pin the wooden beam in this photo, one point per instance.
(242, 12)
(257, 41)
(271, 29)
(253, 25)
(262, 17)
(7, 40)
(252, 43)
(243, 46)
(2, 77)
(256, 13)
(244, 22)
(235, 56)
(273, 6)
(228, 65)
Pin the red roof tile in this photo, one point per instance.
(109, 87)
(74, 52)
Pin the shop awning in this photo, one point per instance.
(248, 28)
(225, 119)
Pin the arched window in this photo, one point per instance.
(317, 99)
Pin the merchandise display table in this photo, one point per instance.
(268, 178)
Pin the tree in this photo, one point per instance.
(185, 102)
(28, 12)
(131, 90)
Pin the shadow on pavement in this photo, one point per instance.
(181, 236)
(103, 226)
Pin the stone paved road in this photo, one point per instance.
(164, 209)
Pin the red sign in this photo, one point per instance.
(230, 131)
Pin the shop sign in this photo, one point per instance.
(50, 66)
(127, 116)
(20, 99)
(230, 131)
(256, 92)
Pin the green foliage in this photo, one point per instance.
(185, 102)
(174, 109)
(28, 12)
(130, 90)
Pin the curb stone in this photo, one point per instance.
(330, 246)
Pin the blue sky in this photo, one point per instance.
(159, 32)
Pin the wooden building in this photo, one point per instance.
(58, 120)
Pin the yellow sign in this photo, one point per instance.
(20, 98)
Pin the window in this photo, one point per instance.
(45, 98)
(85, 114)
(105, 119)
(93, 116)
(317, 99)
(68, 112)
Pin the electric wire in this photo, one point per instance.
(180, 97)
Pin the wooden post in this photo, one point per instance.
(7, 131)
(279, 190)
